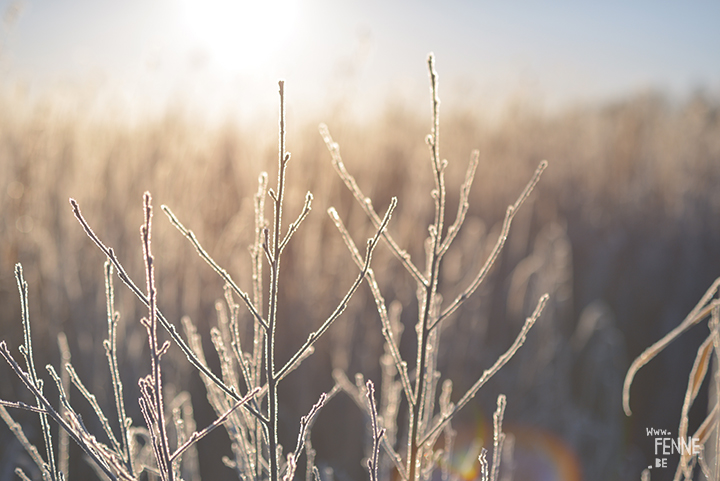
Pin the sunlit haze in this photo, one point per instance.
(242, 36)
(222, 59)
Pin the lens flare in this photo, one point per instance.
(538, 454)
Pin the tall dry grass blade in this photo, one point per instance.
(258, 330)
(695, 380)
(715, 335)
(708, 426)
(257, 269)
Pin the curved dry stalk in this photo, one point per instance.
(695, 380)
(708, 426)
(699, 312)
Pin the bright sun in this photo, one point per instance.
(241, 35)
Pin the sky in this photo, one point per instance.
(217, 58)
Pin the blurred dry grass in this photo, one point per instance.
(623, 231)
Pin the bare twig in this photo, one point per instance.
(306, 423)
(483, 465)
(46, 408)
(294, 226)
(377, 432)
(509, 215)
(343, 303)
(110, 345)
(27, 353)
(170, 328)
(198, 435)
(367, 206)
(151, 386)
(463, 204)
(18, 431)
(216, 267)
(502, 360)
(498, 436)
(387, 332)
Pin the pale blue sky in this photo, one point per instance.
(148, 53)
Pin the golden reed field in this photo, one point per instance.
(622, 231)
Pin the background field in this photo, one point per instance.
(622, 231)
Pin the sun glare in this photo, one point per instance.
(241, 35)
